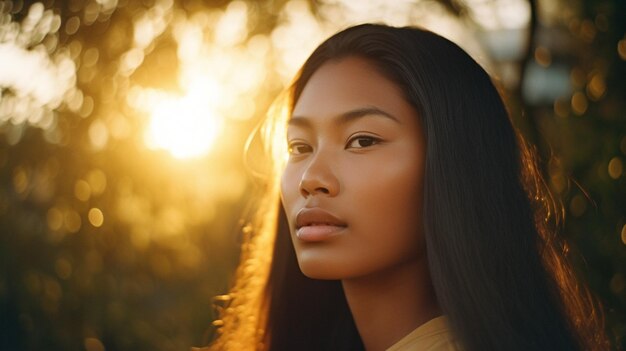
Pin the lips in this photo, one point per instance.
(316, 225)
(317, 217)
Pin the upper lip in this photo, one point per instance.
(316, 216)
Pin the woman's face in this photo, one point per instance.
(352, 187)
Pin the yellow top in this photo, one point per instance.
(433, 335)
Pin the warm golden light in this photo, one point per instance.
(96, 218)
(186, 127)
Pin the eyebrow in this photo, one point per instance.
(346, 117)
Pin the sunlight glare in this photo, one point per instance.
(185, 127)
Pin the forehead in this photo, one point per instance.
(348, 84)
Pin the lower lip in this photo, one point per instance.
(316, 233)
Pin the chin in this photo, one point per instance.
(320, 269)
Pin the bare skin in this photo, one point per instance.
(357, 153)
(390, 305)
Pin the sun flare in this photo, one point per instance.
(185, 126)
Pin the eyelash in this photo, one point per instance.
(374, 140)
(367, 137)
(291, 147)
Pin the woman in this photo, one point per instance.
(411, 216)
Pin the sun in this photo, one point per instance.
(185, 126)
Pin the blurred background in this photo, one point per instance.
(123, 182)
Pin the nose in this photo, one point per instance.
(318, 178)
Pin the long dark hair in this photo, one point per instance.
(499, 271)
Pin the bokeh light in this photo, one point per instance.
(186, 126)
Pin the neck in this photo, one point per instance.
(388, 305)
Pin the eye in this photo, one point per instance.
(362, 141)
(299, 148)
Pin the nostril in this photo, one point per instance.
(316, 186)
(319, 190)
(323, 190)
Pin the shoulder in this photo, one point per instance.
(434, 335)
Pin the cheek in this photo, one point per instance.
(389, 200)
(289, 188)
(397, 185)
